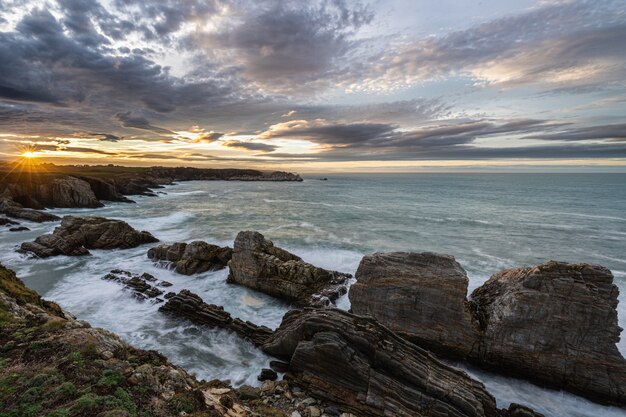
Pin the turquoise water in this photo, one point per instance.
(487, 221)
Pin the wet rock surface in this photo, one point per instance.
(76, 235)
(256, 263)
(144, 286)
(421, 296)
(190, 306)
(191, 258)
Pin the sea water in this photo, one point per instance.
(487, 221)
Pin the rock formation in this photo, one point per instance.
(258, 264)
(139, 284)
(40, 191)
(555, 324)
(190, 306)
(421, 296)
(16, 210)
(191, 258)
(76, 235)
(366, 369)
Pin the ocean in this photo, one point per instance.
(486, 221)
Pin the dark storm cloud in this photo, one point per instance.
(249, 146)
(128, 119)
(106, 137)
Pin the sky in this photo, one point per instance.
(319, 85)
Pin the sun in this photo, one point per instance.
(29, 154)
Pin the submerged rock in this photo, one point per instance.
(138, 284)
(421, 296)
(366, 369)
(556, 324)
(76, 235)
(191, 258)
(190, 306)
(258, 264)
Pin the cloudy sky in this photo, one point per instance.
(315, 85)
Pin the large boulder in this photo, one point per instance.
(76, 235)
(188, 305)
(191, 258)
(258, 264)
(366, 369)
(555, 323)
(421, 296)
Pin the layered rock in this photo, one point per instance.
(140, 285)
(76, 235)
(556, 324)
(421, 296)
(190, 306)
(258, 264)
(104, 189)
(191, 258)
(16, 210)
(366, 369)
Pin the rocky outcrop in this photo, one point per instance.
(366, 369)
(40, 191)
(144, 286)
(104, 190)
(556, 324)
(55, 365)
(421, 296)
(258, 264)
(16, 210)
(76, 235)
(191, 258)
(190, 306)
(7, 222)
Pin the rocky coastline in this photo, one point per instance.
(554, 324)
(26, 195)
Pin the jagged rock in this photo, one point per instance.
(556, 324)
(190, 306)
(136, 283)
(279, 366)
(258, 264)
(16, 210)
(191, 258)
(421, 296)
(366, 369)
(267, 375)
(76, 235)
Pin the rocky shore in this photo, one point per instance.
(25, 195)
